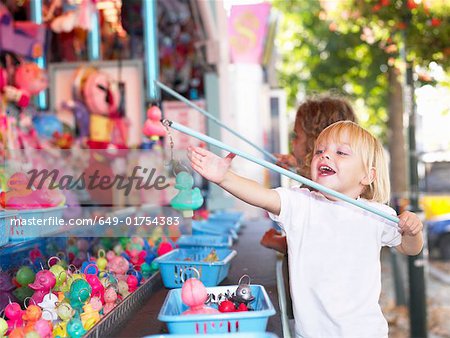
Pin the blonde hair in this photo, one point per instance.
(371, 152)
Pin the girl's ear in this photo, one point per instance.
(370, 177)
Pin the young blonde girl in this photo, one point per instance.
(333, 246)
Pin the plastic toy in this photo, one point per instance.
(64, 311)
(48, 306)
(32, 314)
(194, 295)
(96, 304)
(23, 292)
(89, 317)
(101, 260)
(212, 256)
(44, 328)
(100, 95)
(123, 288)
(164, 247)
(226, 306)
(14, 314)
(60, 330)
(97, 287)
(187, 199)
(21, 37)
(132, 283)
(60, 274)
(3, 327)
(243, 293)
(47, 125)
(25, 275)
(153, 128)
(30, 79)
(75, 328)
(43, 283)
(6, 289)
(146, 270)
(110, 300)
(82, 119)
(79, 293)
(119, 266)
(18, 332)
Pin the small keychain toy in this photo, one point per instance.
(194, 295)
(43, 283)
(48, 306)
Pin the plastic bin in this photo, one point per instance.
(225, 335)
(232, 216)
(216, 228)
(175, 266)
(231, 322)
(204, 241)
(6, 218)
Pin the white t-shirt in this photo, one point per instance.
(334, 264)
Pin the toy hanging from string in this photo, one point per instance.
(188, 198)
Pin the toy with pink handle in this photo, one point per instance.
(194, 295)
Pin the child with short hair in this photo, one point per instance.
(333, 246)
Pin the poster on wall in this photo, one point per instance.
(181, 113)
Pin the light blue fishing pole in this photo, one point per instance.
(278, 169)
(213, 118)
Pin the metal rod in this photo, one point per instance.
(213, 118)
(280, 170)
(150, 19)
(36, 16)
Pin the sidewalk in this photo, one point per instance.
(438, 299)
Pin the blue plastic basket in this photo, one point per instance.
(233, 216)
(204, 241)
(6, 218)
(217, 228)
(231, 322)
(175, 266)
(27, 226)
(225, 335)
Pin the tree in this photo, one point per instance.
(354, 49)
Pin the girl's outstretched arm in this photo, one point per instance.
(217, 170)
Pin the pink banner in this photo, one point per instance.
(247, 30)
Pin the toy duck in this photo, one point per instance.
(80, 291)
(194, 295)
(89, 317)
(14, 314)
(43, 283)
(3, 327)
(44, 328)
(153, 127)
(65, 311)
(110, 300)
(187, 199)
(75, 328)
(32, 314)
(48, 306)
(212, 257)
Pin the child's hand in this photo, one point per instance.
(410, 223)
(209, 165)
